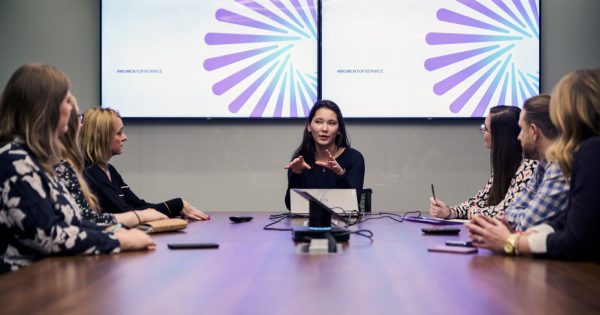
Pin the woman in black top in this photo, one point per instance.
(102, 136)
(325, 159)
(575, 111)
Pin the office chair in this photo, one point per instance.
(365, 200)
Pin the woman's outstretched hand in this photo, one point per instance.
(298, 165)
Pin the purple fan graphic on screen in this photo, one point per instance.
(266, 57)
(495, 55)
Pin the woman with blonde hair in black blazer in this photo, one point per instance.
(102, 137)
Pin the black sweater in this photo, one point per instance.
(576, 234)
(318, 177)
(115, 196)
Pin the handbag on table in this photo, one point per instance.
(165, 225)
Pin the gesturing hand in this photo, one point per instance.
(298, 165)
(331, 164)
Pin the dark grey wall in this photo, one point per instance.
(64, 33)
(570, 33)
(222, 166)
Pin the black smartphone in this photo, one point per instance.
(460, 243)
(193, 245)
(440, 231)
(453, 249)
(240, 219)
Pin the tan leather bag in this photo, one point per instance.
(164, 225)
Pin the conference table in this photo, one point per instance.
(255, 271)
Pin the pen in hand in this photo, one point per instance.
(438, 208)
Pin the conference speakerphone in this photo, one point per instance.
(305, 234)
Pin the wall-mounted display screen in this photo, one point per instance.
(443, 58)
(209, 58)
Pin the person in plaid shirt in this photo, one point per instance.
(546, 195)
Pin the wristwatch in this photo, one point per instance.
(510, 247)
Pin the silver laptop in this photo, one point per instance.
(342, 201)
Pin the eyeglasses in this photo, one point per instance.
(483, 128)
(80, 118)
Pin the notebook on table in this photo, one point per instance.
(436, 221)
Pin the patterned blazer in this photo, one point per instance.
(38, 217)
(67, 176)
(476, 205)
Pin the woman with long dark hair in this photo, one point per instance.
(325, 159)
(510, 172)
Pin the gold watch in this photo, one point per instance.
(510, 246)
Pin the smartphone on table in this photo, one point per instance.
(192, 245)
(453, 249)
(440, 231)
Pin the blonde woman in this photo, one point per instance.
(102, 137)
(69, 172)
(38, 218)
(575, 111)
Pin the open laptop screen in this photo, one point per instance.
(342, 201)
